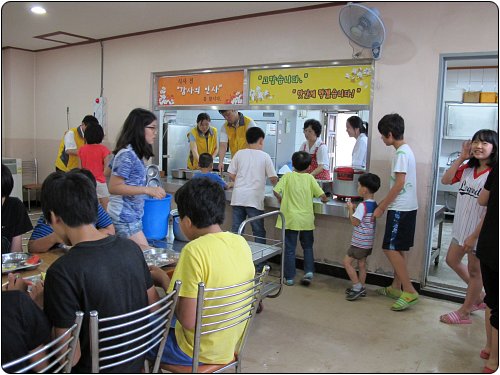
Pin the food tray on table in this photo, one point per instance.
(160, 257)
(19, 261)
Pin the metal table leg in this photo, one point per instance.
(436, 250)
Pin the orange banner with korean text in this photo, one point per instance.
(307, 86)
(201, 89)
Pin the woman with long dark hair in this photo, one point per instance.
(358, 129)
(127, 183)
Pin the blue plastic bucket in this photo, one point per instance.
(155, 218)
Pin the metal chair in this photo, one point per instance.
(60, 352)
(123, 338)
(30, 179)
(240, 308)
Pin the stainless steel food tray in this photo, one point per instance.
(12, 262)
(160, 257)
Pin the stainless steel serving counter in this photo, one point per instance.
(333, 207)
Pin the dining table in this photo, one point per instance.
(47, 259)
(50, 257)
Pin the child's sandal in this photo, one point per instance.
(389, 292)
(405, 301)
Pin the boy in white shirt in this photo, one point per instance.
(249, 169)
(402, 205)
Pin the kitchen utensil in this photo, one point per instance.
(190, 173)
(178, 173)
(177, 228)
(345, 182)
(154, 182)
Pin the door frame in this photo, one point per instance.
(444, 58)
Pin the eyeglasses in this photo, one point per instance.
(153, 128)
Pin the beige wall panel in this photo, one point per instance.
(17, 99)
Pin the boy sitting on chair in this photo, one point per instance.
(100, 272)
(212, 256)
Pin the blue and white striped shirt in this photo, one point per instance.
(364, 234)
(42, 229)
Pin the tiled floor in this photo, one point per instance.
(315, 330)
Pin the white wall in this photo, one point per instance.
(18, 76)
(405, 78)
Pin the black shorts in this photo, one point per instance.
(399, 230)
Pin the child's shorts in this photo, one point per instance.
(102, 190)
(127, 230)
(399, 230)
(358, 253)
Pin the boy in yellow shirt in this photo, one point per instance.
(295, 191)
(212, 256)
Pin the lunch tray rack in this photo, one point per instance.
(273, 283)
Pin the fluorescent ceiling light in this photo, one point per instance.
(285, 66)
(38, 10)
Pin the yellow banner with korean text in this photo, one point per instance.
(308, 86)
(201, 89)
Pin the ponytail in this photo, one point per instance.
(357, 123)
(364, 128)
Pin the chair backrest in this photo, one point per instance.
(30, 171)
(59, 352)
(230, 306)
(123, 338)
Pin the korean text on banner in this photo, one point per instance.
(319, 85)
(201, 89)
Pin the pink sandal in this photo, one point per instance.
(478, 306)
(484, 354)
(454, 318)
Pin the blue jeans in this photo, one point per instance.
(306, 240)
(240, 214)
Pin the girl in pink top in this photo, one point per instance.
(94, 156)
(482, 153)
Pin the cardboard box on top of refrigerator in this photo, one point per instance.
(471, 96)
(488, 97)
